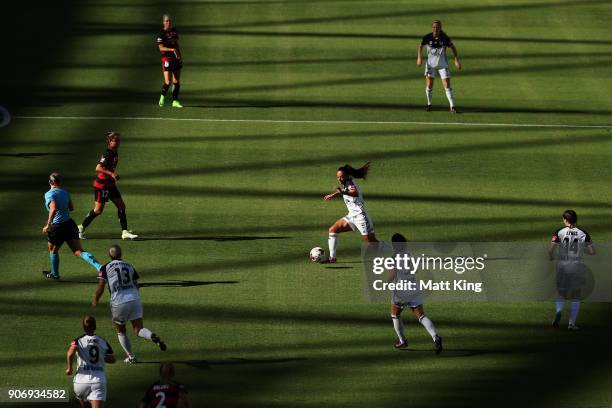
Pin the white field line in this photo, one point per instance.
(326, 122)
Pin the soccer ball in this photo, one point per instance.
(317, 254)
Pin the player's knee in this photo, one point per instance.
(77, 253)
(395, 316)
(98, 211)
(332, 229)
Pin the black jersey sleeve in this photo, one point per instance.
(160, 37)
(555, 238)
(425, 39)
(102, 273)
(107, 158)
(447, 39)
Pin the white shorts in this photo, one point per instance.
(90, 391)
(361, 223)
(127, 312)
(431, 72)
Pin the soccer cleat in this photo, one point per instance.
(573, 327)
(81, 232)
(125, 234)
(176, 104)
(555, 322)
(162, 100)
(401, 344)
(453, 110)
(438, 344)
(330, 260)
(428, 108)
(130, 360)
(49, 275)
(155, 339)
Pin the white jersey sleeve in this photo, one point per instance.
(91, 351)
(354, 204)
(121, 279)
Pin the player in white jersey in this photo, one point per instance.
(436, 43)
(571, 243)
(122, 281)
(408, 298)
(92, 352)
(357, 217)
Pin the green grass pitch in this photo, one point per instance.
(229, 210)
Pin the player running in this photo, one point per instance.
(436, 42)
(60, 227)
(122, 281)
(408, 298)
(92, 352)
(357, 217)
(571, 243)
(105, 188)
(166, 392)
(172, 63)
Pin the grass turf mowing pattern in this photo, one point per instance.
(230, 210)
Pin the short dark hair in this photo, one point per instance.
(89, 324)
(114, 252)
(55, 178)
(570, 216)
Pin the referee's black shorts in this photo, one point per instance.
(60, 233)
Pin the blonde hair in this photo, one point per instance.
(166, 17)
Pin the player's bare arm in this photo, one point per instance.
(420, 55)
(456, 57)
(551, 250)
(52, 211)
(70, 358)
(590, 249)
(102, 169)
(99, 292)
(110, 358)
(332, 195)
(183, 396)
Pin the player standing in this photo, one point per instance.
(357, 217)
(436, 42)
(61, 227)
(105, 188)
(408, 298)
(571, 243)
(166, 392)
(122, 281)
(92, 352)
(172, 63)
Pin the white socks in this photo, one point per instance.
(125, 344)
(449, 96)
(145, 333)
(333, 243)
(574, 308)
(429, 326)
(398, 325)
(560, 303)
(429, 93)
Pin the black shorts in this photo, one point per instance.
(60, 233)
(171, 64)
(103, 195)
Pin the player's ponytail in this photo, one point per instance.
(359, 173)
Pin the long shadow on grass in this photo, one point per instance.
(20, 181)
(208, 238)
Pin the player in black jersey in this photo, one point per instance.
(167, 40)
(165, 392)
(105, 188)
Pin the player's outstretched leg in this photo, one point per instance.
(147, 334)
(429, 326)
(164, 91)
(77, 250)
(560, 304)
(54, 265)
(125, 343)
(573, 315)
(398, 326)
